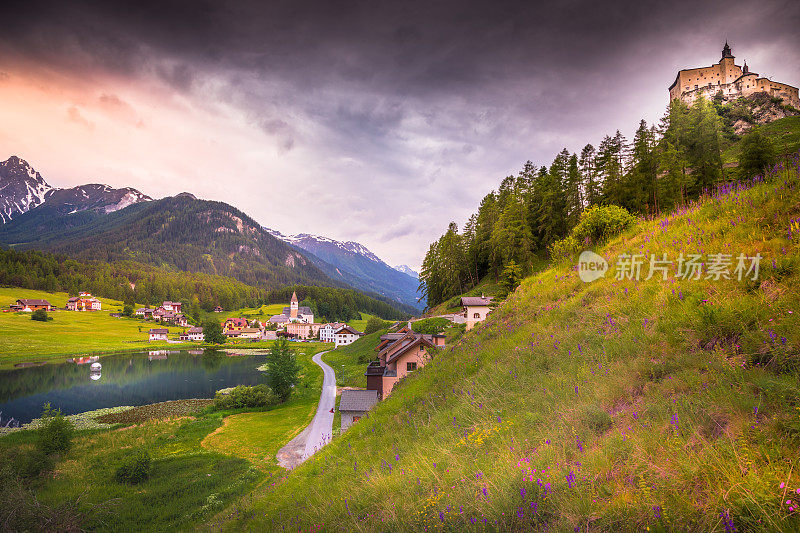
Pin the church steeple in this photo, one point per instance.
(726, 51)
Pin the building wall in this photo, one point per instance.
(375, 383)
(417, 355)
(351, 417)
(343, 339)
(482, 312)
(387, 385)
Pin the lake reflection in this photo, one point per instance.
(88, 383)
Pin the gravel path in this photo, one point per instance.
(318, 433)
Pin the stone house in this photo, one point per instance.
(355, 404)
(476, 308)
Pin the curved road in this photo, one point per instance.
(318, 433)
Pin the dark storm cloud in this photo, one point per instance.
(394, 96)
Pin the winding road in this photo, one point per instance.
(318, 433)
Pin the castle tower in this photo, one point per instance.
(293, 306)
(729, 71)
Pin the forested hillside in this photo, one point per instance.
(664, 166)
(178, 232)
(133, 282)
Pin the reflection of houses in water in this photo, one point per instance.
(85, 360)
(196, 352)
(160, 355)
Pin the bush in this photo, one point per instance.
(758, 153)
(40, 315)
(600, 223)
(33, 463)
(134, 469)
(596, 224)
(374, 324)
(55, 434)
(243, 396)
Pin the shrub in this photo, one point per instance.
(600, 223)
(134, 469)
(374, 324)
(40, 315)
(244, 396)
(595, 225)
(55, 434)
(33, 463)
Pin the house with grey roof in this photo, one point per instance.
(355, 404)
(476, 309)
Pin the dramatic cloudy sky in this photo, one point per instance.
(370, 121)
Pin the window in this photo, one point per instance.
(476, 315)
(410, 367)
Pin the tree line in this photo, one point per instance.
(664, 166)
(137, 283)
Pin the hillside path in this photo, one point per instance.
(318, 433)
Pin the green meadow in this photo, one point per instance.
(201, 463)
(70, 332)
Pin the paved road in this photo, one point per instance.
(318, 433)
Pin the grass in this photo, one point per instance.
(611, 406)
(360, 325)
(70, 332)
(201, 461)
(487, 287)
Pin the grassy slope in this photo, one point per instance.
(199, 463)
(487, 287)
(70, 332)
(590, 406)
(785, 133)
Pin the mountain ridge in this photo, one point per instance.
(356, 265)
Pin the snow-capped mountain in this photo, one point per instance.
(356, 265)
(94, 196)
(23, 189)
(405, 269)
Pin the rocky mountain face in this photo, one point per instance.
(23, 189)
(354, 264)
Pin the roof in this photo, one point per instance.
(26, 301)
(294, 297)
(422, 339)
(275, 319)
(348, 329)
(195, 330)
(158, 330)
(476, 300)
(75, 299)
(358, 400)
(237, 321)
(300, 310)
(250, 330)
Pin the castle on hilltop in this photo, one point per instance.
(729, 80)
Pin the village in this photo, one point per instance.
(399, 352)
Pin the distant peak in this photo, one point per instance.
(186, 195)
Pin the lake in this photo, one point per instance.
(87, 383)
